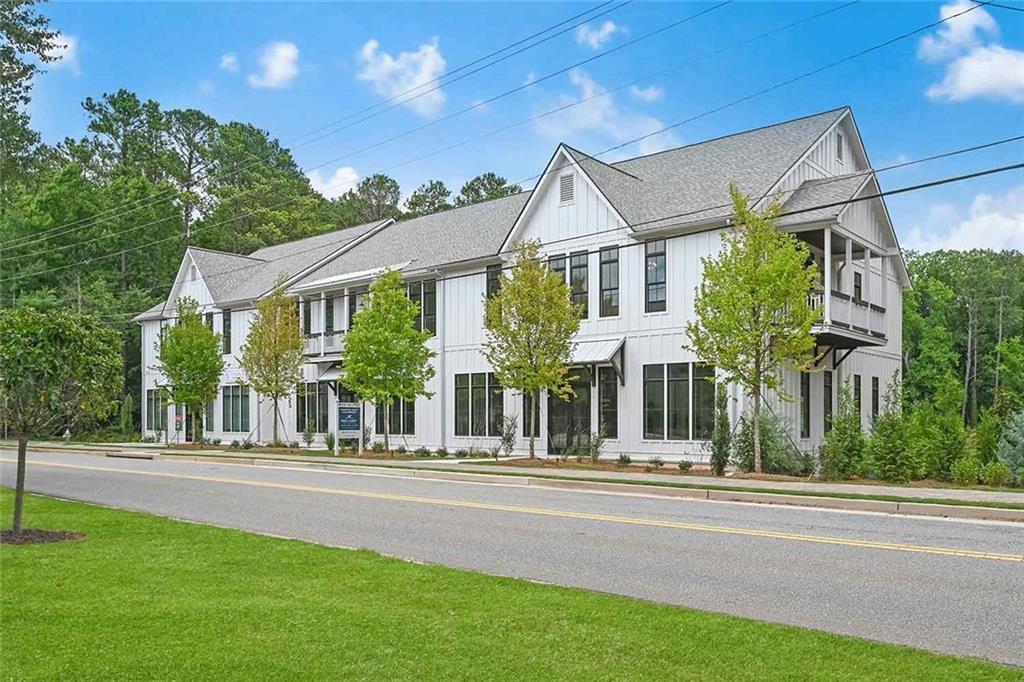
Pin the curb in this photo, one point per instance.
(778, 499)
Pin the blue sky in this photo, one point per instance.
(293, 68)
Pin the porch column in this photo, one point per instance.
(867, 274)
(848, 269)
(323, 320)
(827, 267)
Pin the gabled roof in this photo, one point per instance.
(821, 192)
(216, 266)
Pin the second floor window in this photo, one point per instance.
(307, 317)
(209, 321)
(493, 280)
(226, 335)
(355, 302)
(826, 380)
(655, 291)
(328, 315)
(579, 280)
(557, 265)
(609, 281)
(858, 287)
(425, 294)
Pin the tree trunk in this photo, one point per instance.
(967, 363)
(387, 426)
(757, 432)
(276, 441)
(999, 340)
(19, 489)
(533, 422)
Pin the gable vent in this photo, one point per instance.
(566, 189)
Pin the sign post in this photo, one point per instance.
(350, 424)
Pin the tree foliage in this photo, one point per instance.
(385, 357)
(721, 436)
(842, 450)
(529, 328)
(485, 187)
(430, 197)
(189, 356)
(57, 368)
(272, 356)
(753, 318)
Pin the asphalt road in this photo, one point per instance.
(944, 585)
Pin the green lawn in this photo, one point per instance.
(144, 597)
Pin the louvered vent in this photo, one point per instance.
(566, 189)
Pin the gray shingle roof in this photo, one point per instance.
(820, 192)
(431, 241)
(216, 268)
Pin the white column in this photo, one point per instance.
(323, 320)
(827, 266)
(867, 274)
(883, 294)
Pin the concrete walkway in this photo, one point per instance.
(479, 466)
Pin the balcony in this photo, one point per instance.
(328, 346)
(848, 322)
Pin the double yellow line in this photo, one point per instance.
(538, 511)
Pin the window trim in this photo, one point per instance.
(493, 407)
(583, 295)
(649, 254)
(691, 407)
(608, 385)
(492, 284)
(609, 256)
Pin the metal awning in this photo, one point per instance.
(604, 352)
(332, 373)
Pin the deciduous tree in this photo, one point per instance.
(272, 355)
(529, 328)
(430, 197)
(57, 367)
(753, 315)
(385, 357)
(484, 187)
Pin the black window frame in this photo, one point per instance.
(828, 398)
(655, 253)
(307, 317)
(608, 281)
(402, 421)
(156, 410)
(493, 283)
(529, 402)
(702, 400)
(857, 396)
(495, 405)
(805, 404)
(478, 404)
(329, 315)
(678, 374)
(559, 265)
(858, 287)
(608, 401)
(874, 399)
(579, 281)
(235, 408)
(653, 405)
(226, 332)
(462, 410)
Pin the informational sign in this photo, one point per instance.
(179, 419)
(349, 423)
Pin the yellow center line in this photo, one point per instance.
(536, 511)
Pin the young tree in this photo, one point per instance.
(842, 451)
(272, 354)
(56, 368)
(721, 436)
(385, 357)
(190, 357)
(529, 327)
(753, 314)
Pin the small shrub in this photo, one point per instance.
(149, 439)
(294, 445)
(509, 435)
(842, 450)
(308, 434)
(462, 453)
(329, 441)
(995, 474)
(624, 460)
(1010, 450)
(401, 449)
(216, 441)
(422, 452)
(595, 444)
(367, 436)
(965, 471)
(248, 444)
(721, 436)
(377, 446)
(685, 465)
(987, 435)
(889, 455)
(235, 444)
(778, 454)
(654, 463)
(441, 452)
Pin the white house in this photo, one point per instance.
(629, 236)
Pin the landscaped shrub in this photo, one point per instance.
(965, 471)
(329, 440)
(248, 444)
(778, 454)
(1011, 448)
(422, 452)
(509, 434)
(937, 437)
(685, 465)
(462, 453)
(986, 435)
(654, 463)
(995, 474)
(721, 435)
(308, 434)
(294, 445)
(842, 450)
(624, 460)
(235, 444)
(378, 446)
(216, 441)
(441, 452)
(401, 450)
(888, 455)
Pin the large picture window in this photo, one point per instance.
(608, 401)
(655, 272)
(156, 410)
(235, 409)
(579, 280)
(311, 407)
(609, 281)
(679, 401)
(402, 418)
(479, 404)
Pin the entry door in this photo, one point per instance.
(569, 420)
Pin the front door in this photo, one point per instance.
(569, 420)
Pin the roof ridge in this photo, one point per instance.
(845, 107)
(597, 160)
(225, 253)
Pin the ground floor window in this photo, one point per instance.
(679, 401)
(856, 395)
(827, 405)
(805, 405)
(531, 406)
(479, 404)
(156, 410)
(401, 418)
(608, 401)
(311, 411)
(235, 409)
(874, 399)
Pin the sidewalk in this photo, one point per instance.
(963, 496)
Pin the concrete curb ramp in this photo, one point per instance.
(820, 502)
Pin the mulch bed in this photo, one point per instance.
(34, 536)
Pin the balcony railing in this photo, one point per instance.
(852, 313)
(319, 343)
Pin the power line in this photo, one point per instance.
(806, 74)
(393, 100)
(454, 114)
(783, 214)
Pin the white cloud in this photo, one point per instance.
(280, 62)
(600, 115)
(342, 180)
(972, 69)
(959, 34)
(651, 93)
(229, 62)
(596, 37)
(991, 71)
(207, 85)
(409, 73)
(65, 54)
(530, 77)
(991, 222)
